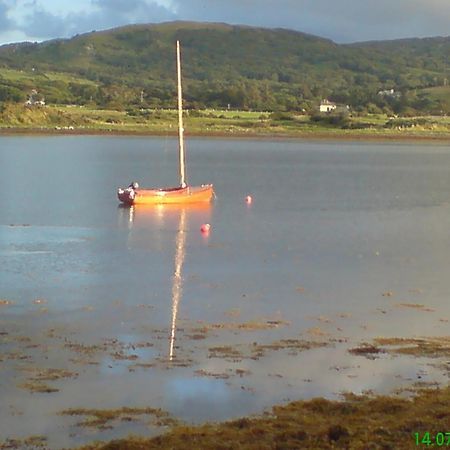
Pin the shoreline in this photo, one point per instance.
(320, 136)
(357, 421)
(410, 416)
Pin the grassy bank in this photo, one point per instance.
(84, 120)
(358, 422)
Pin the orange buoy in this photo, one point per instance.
(205, 228)
(248, 199)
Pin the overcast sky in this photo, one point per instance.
(339, 20)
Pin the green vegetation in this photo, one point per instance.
(357, 422)
(30, 443)
(85, 120)
(243, 68)
(102, 418)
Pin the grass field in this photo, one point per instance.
(33, 76)
(80, 119)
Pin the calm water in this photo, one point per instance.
(331, 228)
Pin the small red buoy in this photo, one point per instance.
(248, 199)
(205, 228)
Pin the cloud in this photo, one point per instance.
(5, 21)
(342, 20)
(39, 22)
(102, 14)
(350, 20)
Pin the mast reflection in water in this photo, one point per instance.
(148, 224)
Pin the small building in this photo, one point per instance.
(34, 99)
(327, 106)
(389, 93)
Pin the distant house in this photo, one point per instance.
(327, 106)
(388, 93)
(34, 99)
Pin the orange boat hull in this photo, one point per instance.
(189, 194)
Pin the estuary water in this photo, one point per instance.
(104, 307)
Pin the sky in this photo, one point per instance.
(342, 21)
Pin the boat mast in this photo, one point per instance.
(180, 122)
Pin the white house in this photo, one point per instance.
(389, 93)
(327, 106)
(33, 99)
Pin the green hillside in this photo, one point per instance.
(243, 67)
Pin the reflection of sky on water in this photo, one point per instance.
(200, 399)
(331, 228)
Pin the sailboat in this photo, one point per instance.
(182, 194)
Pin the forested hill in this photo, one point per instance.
(240, 66)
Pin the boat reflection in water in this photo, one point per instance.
(150, 225)
(177, 280)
